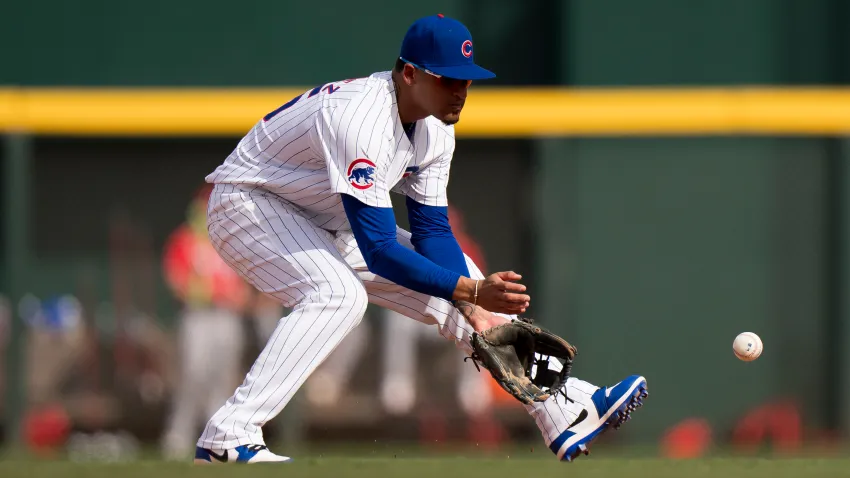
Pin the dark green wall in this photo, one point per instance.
(667, 42)
(251, 43)
(659, 252)
(586, 42)
(192, 42)
(670, 42)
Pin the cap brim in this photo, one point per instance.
(464, 72)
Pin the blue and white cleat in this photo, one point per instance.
(249, 454)
(608, 407)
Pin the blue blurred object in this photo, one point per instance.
(58, 314)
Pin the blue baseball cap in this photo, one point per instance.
(443, 46)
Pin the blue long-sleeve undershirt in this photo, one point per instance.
(432, 236)
(436, 265)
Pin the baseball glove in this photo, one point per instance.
(508, 351)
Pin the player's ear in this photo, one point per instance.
(409, 74)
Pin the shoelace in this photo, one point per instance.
(562, 391)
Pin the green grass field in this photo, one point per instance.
(445, 467)
(390, 461)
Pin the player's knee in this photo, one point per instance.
(352, 298)
(360, 301)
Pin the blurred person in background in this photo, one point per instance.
(210, 335)
(55, 357)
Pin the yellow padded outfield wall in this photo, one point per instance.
(490, 112)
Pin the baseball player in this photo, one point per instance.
(301, 209)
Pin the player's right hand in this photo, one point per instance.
(497, 293)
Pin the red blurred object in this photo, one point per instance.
(780, 421)
(690, 438)
(46, 429)
(196, 273)
(467, 244)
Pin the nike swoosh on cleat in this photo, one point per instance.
(222, 458)
(579, 419)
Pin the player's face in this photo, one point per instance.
(449, 99)
(443, 98)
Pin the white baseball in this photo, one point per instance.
(747, 346)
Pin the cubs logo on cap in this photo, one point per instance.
(442, 45)
(466, 48)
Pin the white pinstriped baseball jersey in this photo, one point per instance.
(344, 137)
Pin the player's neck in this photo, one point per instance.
(408, 112)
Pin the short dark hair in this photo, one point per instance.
(399, 65)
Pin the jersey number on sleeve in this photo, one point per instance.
(329, 87)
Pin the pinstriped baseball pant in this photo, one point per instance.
(323, 279)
